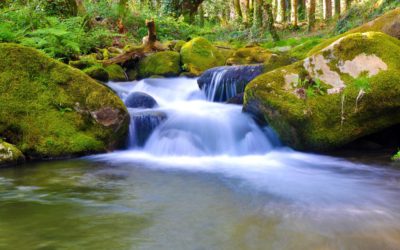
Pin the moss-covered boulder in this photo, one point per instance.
(97, 72)
(165, 63)
(199, 54)
(116, 73)
(249, 55)
(389, 23)
(348, 90)
(9, 154)
(50, 110)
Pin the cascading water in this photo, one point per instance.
(223, 83)
(189, 125)
(277, 198)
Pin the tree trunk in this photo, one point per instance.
(327, 9)
(281, 11)
(257, 20)
(311, 15)
(275, 8)
(238, 9)
(294, 13)
(346, 4)
(337, 7)
(246, 12)
(150, 44)
(270, 22)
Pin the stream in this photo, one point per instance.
(206, 178)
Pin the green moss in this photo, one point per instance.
(97, 72)
(324, 121)
(9, 154)
(132, 74)
(48, 108)
(115, 73)
(276, 61)
(82, 64)
(380, 24)
(178, 45)
(300, 51)
(199, 55)
(396, 157)
(165, 63)
(250, 55)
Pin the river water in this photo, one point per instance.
(207, 178)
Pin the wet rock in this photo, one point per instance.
(222, 83)
(140, 100)
(143, 124)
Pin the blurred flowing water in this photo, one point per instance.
(207, 178)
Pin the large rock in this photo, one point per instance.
(9, 154)
(346, 91)
(389, 23)
(140, 100)
(165, 63)
(51, 110)
(199, 54)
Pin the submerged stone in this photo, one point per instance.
(143, 125)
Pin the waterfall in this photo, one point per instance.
(223, 83)
(186, 123)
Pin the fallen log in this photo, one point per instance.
(150, 45)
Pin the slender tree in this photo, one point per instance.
(270, 22)
(258, 13)
(247, 12)
(294, 12)
(238, 9)
(327, 9)
(281, 11)
(311, 14)
(337, 7)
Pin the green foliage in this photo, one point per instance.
(59, 37)
(396, 157)
(361, 13)
(362, 83)
(313, 88)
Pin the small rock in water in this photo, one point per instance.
(140, 100)
(144, 124)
